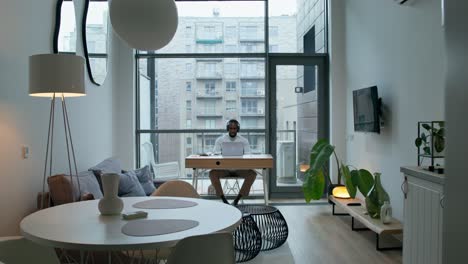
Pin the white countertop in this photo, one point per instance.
(424, 174)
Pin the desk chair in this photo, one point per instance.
(176, 188)
(20, 250)
(216, 248)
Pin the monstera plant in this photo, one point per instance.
(354, 179)
(431, 133)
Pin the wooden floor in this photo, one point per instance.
(316, 236)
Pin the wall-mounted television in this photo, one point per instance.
(366, 108)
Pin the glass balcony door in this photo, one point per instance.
(299, 109)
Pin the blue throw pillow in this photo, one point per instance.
(88, 184)
(144, 177)
(129, 185)
(110, 165)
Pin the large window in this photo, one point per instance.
(214, 69)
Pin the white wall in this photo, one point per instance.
(338, 92)
(26, 28)
(455, 212)
(400, 49)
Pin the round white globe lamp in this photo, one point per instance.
(144, 24)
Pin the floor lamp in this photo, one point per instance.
(52, 76)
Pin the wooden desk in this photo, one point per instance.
(261, 161)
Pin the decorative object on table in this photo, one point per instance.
(57, 75)
(144, 24)
(376, 197)
(110, 204)
(155, 227)
(340, 191)
(317, 173)
(164, 204)
(386, 213)
(247, 239)
(270, 222)
(430, 142)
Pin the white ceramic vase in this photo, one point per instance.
(110, 204)
(386, 213)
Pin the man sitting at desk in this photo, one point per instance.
(249, 176)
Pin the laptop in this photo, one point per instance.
(232, 149)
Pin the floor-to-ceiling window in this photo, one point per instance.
(215, 69)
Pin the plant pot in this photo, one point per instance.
(110, 204)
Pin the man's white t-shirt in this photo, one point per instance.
(226, 138)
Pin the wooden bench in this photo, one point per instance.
(360, 213)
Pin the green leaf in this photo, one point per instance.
(313, 186)
(427, 150)
(427, 127)
(441, 132)
(423, 137)
(355, 177)
(366, 181)
(418, 142)
(319, 155)
(348, 182)
(439, 144)
(442, 124)
(372, 205)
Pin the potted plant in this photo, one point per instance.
(431, 138)
(354, 179)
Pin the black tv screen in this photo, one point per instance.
(366, 107)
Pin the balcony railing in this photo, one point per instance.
(210, 94)
(209, 75)
(253, 112)
(209, 112)
(252, 92)
(258, 74)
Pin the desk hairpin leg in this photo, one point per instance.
(195, 179)
(265, 185)
(333, 210)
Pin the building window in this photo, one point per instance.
(230, 48)
(188, 67)
(249, 106)
(230, 68)
(210, 107)
(231, 32)
(188, 48)
(210, 88)
(249, 88)
(188, 123)
(188, 86)
(188, 105)
(210, 124)
(230, 86)
(248, 32)
(189, 141)
(231, 105)
(249, 47)
(273, 31)
(273, 48)
(188, 31)
(249, 122)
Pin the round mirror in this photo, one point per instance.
(95, 39)
(65, 27)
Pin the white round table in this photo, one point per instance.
(80, 226)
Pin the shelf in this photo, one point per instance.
(429, 156)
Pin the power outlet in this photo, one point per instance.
(25, 152)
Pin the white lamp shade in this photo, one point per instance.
(56, 73)
(144, 24)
